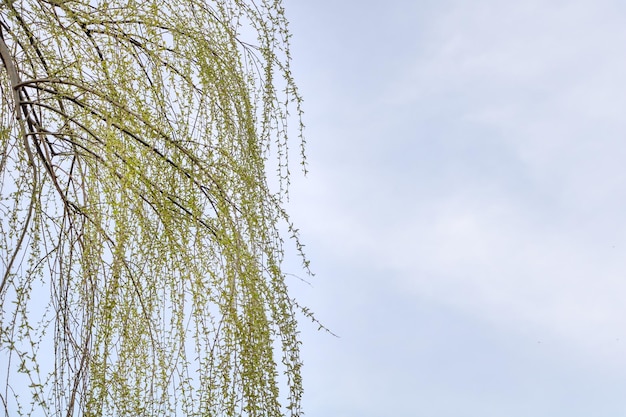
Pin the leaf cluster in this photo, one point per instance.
(139, 237)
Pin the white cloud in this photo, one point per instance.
(541, 244)
(466, 207)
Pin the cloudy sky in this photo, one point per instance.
(465, 211)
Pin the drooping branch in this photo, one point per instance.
(14, 80)
(138, 139)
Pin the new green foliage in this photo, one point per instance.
(136, 139)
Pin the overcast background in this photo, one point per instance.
(465, 211)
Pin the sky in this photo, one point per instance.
(465, 209)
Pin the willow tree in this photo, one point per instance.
(141, 237)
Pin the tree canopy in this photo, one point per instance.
(143, 169)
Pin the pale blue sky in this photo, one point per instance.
(465, 210)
